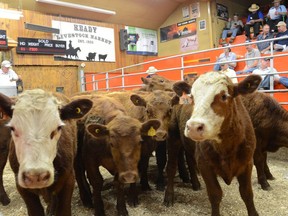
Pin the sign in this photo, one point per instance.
(3, 39)
(40, 46)
(85, 42)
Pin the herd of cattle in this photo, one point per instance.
(222, 130)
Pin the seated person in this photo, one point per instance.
(233, 27)
(226, 70)
(282, 80)
(264, 70)
(227, 54)
(275, 15)
(265, 46)
(7, 73)
(255, 19)
(281, 45)
(252, 64)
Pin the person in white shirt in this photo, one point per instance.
(228, 71)
(7, 71)
(264, 71)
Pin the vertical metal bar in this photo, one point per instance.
(107, 81)
(182, 68)
(123, 78)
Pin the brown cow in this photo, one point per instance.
(116, 147)
(5, 135)
(224, 135)
(156, 82)
(43, 147)
(270, 122)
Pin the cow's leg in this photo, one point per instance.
(4, 199)
(213, 188)
(96, 180)
(133, 195)
(32, 201)
(259, 161)
(143, 167)
(182, 167)
(161, 159)
(245, 188)
(64, 196)
(173, 145)
(121, 204)
(191, 162)
(268, 174)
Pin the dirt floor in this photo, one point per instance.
(188, 202)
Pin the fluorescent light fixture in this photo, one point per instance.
(10, 14)
(77, 6)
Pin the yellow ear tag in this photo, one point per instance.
(151, 132)
(97, 130)
(78, 110)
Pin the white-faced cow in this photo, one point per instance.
(43, 148)
(224, 135)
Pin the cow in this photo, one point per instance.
(91, 56)
(112, 139)
(5, 135)
(224, 135)
(102, 56)
(270, 122)
(156, 82)
(43, 148)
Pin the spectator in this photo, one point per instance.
(252, 64)
(151, 71)
(229, 56)
(264, 46)
(281, 45)
(233, 27)
(9, 74)
(226, 70)
(255, 19)
(282, 80)
(275, 15)
(264, 70)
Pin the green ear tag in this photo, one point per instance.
(151, 132)
(97, 131)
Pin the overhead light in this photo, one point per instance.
(10, 14)
(77, 6)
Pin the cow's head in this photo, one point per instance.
(214, 99)
(37, 119)
(124, 135)
(157, 105)
(157, 82)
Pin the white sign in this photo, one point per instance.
(85, 42)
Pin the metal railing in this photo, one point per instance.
(121, 73)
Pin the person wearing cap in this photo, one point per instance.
(227, 71)
(227, 54)
(266, 34)
(8, 72)
(151, 71)
(281, 45)
(265, 72)
(233, 27)
(252, 64)
(254, 19)
(275, 15)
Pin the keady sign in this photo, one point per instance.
(3, 39)
(40, 46)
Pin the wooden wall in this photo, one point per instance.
(41, 70)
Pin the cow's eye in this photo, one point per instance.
(224, 97)
(162, 81)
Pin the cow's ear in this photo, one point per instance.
(76, 109)
(248, 85)
(6, 104)
(149, 127)
(137, 100)
(146, 81)
(97, 130)
(181, 87)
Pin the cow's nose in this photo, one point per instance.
(128, 177)
(161, 135)
(35, 178)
